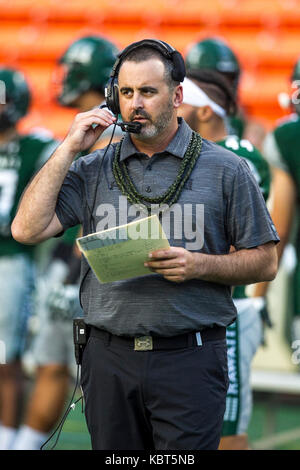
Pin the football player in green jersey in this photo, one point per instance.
(215, 54)
(207, 102)
(86, 64)
(281, 149)
(20, 157)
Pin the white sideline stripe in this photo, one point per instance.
(275, 440)
(280, 382)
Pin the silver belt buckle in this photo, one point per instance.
(143, 343)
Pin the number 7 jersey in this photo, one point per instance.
(20, 158)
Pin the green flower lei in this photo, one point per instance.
(171, 195)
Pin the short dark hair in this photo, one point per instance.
(216, 87)
(145, 53)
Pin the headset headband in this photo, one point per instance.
(165, 49)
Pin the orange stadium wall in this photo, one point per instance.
(265, 35)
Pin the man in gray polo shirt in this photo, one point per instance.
(171, 395)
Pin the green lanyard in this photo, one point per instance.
(171, 195)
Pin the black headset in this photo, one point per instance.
(112, 89)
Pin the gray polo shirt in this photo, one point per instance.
(220, 205)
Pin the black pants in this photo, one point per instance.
(171, 399)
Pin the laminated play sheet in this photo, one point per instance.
(120, 252)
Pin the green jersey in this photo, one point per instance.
(260, 170)
(236, 125)
(19, 160)
(282, 150)
(288, 146)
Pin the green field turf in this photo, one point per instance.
(274, 426)
(74, 435)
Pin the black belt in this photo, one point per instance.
(148, 343)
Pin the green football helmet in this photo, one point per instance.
(88, 62)
(15, 95)
(296, 71)
(213, 53)
(295, 100)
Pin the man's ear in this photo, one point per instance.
(204, 113)
(178, 96)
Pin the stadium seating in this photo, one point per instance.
(264, 35)
(186, 12)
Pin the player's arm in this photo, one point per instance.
(283, 197)
(241, 267)
(283, 207)
(36, 220)
(255, 133)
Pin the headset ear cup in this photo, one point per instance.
(115, 95)
(112, 96)
(179, 71)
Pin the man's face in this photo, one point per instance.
(189, 114)
(145, 96)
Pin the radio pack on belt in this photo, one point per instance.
(80, 337)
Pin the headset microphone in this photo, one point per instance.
(133, 127)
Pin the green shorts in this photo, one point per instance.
(243, 337)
